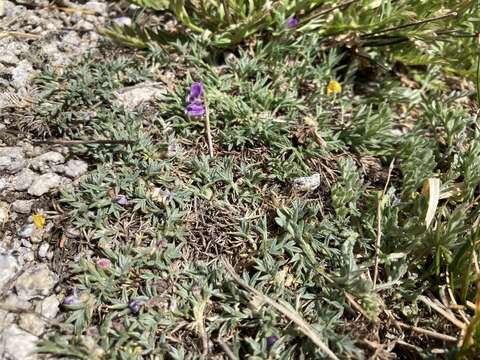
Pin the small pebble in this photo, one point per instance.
(22, 206)
(307, 183)
(42, 250)
(122, 21)
(26, 230)
(3, 212)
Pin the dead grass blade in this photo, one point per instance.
(444, 313)
(431, 188)
(303, 326)
(379, 223)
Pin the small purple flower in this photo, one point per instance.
(195, 110)
(292, 22)
(134, 306)
(71, 299)
(196, 92)
(122, 200)
(195, 107)
(272, 339)
(167, 195)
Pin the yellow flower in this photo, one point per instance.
(39, 220)
(334, 87)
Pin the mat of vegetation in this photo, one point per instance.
(337, 218)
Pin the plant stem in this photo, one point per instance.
(478, 74)
(208, 131)
(227, 11)
(82, 142)
(379, 224)
(303, 326)
(415, 23)
(326, 11)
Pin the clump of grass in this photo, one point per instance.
(312, 252)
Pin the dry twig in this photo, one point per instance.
(429, 333)
(379, 224)
(83, 142)
(442, 312)
(226, 349)
(208, 130)
(303, 326)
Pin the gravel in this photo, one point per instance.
(30, 174)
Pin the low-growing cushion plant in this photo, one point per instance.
(385, 33)
(347, 266)
(353, 258)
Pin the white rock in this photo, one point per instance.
(3, 182)
(3, 212)
(42, 250)
(122, 21)
(32, 323)
(59, 169)
(6, 319)
(8, 268)
(37, 235)
(32, 151)
(47, 160)
(36, 282)
(23, 180)
(14, 302)
(26, 230)
(21, 74)
(17, 344)
(75, 168)
(25, 256)
(8, 58)
(132, 96)
(98, 7)
(85, 25)
(44, 183)
(12, 159)
(307, 183)
(27, 244)
(22, 206)
(48, 307)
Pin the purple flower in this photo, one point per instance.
(122, 200)
(71, 299)
(168, 195)
(292, 22)
(272, 339)
(196, 92)
(134, 306)
(195, 107)
(195, 110)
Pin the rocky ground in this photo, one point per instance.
(36, 35)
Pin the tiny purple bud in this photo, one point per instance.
(195, 110)
(196, 91)
(292, 22)
(167, 195)
(134, 306)
(272, 339)
(122, 200)
(71, 300)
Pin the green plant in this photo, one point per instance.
(311, 251)
(381, 32)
